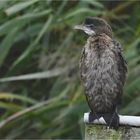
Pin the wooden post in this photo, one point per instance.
(129, 129)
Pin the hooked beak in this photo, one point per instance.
(85, 29)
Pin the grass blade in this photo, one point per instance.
(22, 20)
(38, 75)
(6, 45)
(31, 47)
(4, 95)
(18, 7)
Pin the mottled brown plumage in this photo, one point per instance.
(102, 67)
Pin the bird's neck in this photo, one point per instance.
(101, 39)
(104, 30)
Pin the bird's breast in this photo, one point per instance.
(100, 75)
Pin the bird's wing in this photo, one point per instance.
(121, 61)
(82, 63)
(122, 68)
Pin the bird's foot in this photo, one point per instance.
(93, 116)
(112, 120)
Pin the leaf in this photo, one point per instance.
(3, 3)
(4, 95)
(18, 7)
(122, 6)
(38, 75)
(28, 110)
(30, 32)
(6, 45)
(22, 20)
(31, 47)
(132, 108)
(133, 86)
(81, 11)
(131, 51)
(44, 29)
(95, 3)
(10, 106)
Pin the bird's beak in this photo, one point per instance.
(79, 27)
(85, 29)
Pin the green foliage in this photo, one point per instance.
(40, 92)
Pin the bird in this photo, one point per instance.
(103, 70)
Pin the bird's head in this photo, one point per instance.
(95, 26)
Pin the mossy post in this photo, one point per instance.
(129, 129)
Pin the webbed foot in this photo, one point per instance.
(94, 116)
(112, 120)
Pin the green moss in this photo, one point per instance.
(100, 132)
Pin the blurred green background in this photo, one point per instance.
(40, 90)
